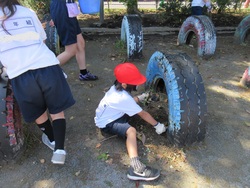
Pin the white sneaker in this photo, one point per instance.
(46, 141)
(58, 156)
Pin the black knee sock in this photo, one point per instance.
(47, 128)
(59, 127)
(83, 71)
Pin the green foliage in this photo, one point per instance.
(103, 156)
(120, 47)
(223, 6)
(175, 7)
(41, 7)
(176, 11)
(130, 4)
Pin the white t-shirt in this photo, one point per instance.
(23, 49)
(114, 105)
(199, 3)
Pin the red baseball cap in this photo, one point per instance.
(128, 73)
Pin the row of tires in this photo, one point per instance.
(199, 27)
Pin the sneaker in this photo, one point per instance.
(147, 175)
(58, 156)
(87, 77)
(46, 141)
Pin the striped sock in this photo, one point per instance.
(137, 165)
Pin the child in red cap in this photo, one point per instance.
(114, 110)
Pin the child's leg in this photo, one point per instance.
(59, 128)
(131, 144)
(45, 126)
(139, 171)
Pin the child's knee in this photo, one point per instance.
(131, 131)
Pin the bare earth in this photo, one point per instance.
(221, 161)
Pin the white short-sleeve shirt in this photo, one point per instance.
(114, 105)
(199, 3)
(22, 48)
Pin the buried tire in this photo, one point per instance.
(178, 76)
(11, 130)
(203, 28)
(132, 35)
(242, 31)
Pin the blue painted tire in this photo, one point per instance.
(204, 30)
(132, 35)
(242, 30)
(11, 129)
(179, 77)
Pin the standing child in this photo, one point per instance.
(71, 37)
(37, 80)
(197, 6)
(114, 110)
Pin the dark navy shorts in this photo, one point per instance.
(67, 28)
(197, 10)
(42, 89)
(118, 127)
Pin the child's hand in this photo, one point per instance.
(160, 128)
(143, 97)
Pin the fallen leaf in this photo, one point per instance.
(78, 173)
(141, 137)
(98, 145)
(247, 124)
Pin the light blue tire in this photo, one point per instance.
(179, 77)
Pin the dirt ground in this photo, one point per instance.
(93, 160)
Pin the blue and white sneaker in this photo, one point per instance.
(87, 77)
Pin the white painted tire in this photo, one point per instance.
(132, 35)
(205, 33)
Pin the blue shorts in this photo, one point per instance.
(118, 127)
(67, 28)
(197, 10)
(42, 89)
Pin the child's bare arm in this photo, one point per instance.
(147, 117)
